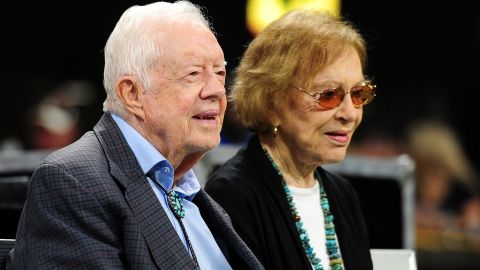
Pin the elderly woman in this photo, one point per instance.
(300, 88)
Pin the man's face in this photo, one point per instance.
(184, 111)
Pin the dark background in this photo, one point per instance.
(423, 55)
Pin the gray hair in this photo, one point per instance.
(134, 49)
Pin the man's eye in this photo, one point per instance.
(193, 76)
(194, 73)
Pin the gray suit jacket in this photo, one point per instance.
(89, 206)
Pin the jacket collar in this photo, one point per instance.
(160, 236)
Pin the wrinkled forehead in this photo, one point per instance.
(187, 40)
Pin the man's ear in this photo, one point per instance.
(129, 91)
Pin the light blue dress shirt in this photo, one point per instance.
(209, 255)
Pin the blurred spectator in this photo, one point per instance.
(53, 125)
(447, 197)
(56, 120)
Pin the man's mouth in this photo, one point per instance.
(206, 115)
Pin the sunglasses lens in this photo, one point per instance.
(362, 95)
(331, 98)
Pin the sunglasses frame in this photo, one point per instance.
(317, 95)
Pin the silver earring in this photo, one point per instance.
(275, 131)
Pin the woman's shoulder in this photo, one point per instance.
(333, 177)
(336, 183)
(237, 172)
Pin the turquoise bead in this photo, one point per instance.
(334, 255)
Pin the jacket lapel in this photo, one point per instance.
(220, 225)
(165, 246)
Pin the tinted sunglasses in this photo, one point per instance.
(331, 98)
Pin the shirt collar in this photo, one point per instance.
(147, 156)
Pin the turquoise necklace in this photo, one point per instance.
(336, 262)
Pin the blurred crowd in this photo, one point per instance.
(447, 187)
(447, 197)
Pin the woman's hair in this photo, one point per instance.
(294, 48)
(135, 44)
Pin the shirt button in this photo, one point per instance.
(165, 170)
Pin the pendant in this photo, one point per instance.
(175, 203)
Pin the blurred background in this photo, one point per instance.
(423, 56)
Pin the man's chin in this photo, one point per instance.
(206, 143)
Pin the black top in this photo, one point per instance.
(250, 190)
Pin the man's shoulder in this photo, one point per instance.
(82, 163)
(83, 155)
(87, 146)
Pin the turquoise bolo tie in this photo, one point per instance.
(164, 171)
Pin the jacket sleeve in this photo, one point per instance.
(64, 226)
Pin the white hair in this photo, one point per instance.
(134, 49)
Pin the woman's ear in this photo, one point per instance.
(273, 119)
(129, 91)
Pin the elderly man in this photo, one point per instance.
(125, 195)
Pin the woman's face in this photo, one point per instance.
(314, 135)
